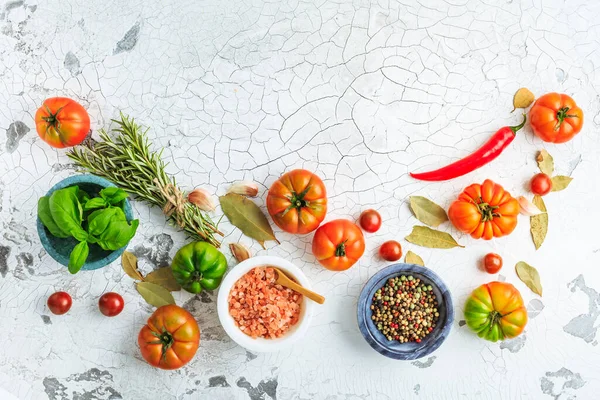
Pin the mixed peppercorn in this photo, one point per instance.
(405, 309)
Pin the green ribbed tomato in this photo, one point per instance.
(199, 265)
(495, 311)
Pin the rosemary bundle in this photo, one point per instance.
(127, 161)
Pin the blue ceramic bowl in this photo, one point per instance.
(410, 350)
(60, 249)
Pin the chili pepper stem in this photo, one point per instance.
(522, 124)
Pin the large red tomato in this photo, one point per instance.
(170, 338)
(62, 122)
(555, 118)
(338, 244)
(297, 202)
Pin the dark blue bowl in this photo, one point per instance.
(59, 248)
(410, 350)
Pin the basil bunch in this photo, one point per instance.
(70, 212)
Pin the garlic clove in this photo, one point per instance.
(245, 188)
(527, 207)
(202, 199)
(239, 251)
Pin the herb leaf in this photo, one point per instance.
(427, 237)
(248, 217)
(117, 234)
(78, 256)
(67, 212)
(46, 217)
(545, 162)
(523, 98)
(539, 223)
(113, 195)
(529, 276)
(94, 203)
(412, 258)
(130, 266)
(427, 211)
(560, 182)
(164, 277)
(154, 294)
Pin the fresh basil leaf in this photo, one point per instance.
(67, 212)
(117, 234)
(80, 235)
(96, 202)
(46, 218)
(82, 195)
(113, 195)
(99, 220)
(78, 257)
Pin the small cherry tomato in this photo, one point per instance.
(390, 251)
(60, 302)
(111, 304)
(370, 221)
(541, 184)
(492, 263)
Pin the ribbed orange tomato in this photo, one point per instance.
(297, 202)
(170, 338)
(555, 118)
(484, 211)
(62, 122)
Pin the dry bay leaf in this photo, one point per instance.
(523, 98)
(427, 211)
(539, 223)
(427, 237)
(154, 294)
(529, 276)
(560, 182)
(164, 277)
(130, 266)
(248, 217)
(545, 162)
(412, 258)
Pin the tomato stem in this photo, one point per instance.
(487, 211)
(561, 114)
(297, 200)
(340, 250)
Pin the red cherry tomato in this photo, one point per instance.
(370, 221)
(390, 251)
(111, 304)
(60, 302)
(541, 184)
(492, 263)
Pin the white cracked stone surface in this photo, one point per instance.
(360, 92)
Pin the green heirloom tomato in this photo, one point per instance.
(199, 265)
(495, 311)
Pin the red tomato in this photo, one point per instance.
(390, 251)
(338, 244)
(60, 302)
(62, 122)
(555, 118)
(541, 184)
(492, 263)
(370, 221)
(111, 304)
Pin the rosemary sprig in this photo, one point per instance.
(128, 162)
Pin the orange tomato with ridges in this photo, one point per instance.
(495, 311)
(297, 201)
(338, 244)
(555, 118)
(484, 211)
(62, 122)
(170, 338)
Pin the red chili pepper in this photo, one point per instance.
(486, 153)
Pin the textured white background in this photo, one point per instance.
(360, 93)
